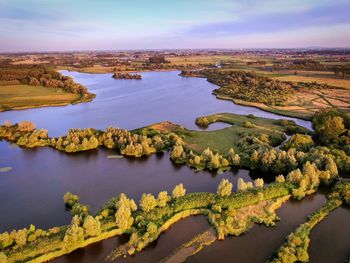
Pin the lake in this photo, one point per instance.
(32, 192)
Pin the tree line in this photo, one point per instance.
(37, 75)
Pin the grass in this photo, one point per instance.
(15, 97)
(224, 139)
(96, 69)
(324, 77)
(194, 60)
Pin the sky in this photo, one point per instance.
(62, 25)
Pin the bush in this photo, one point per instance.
(202, 122)
(248, 124)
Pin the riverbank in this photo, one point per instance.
(160, 218)
(28, 86)
(268, 93)
(19, 97)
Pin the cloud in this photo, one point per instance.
(277, 21)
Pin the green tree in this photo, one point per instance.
(127, 202)
(259, 183)
(177, 152)
(80, 210)
(147, 202)
(280, 179)
(5, 240)
(214, 162)
(300, 142)
(294, 176)
(163, 198)
(123, 217)
(232, 157)
(179, 191)
(74, 234)
(70, 199)
(241, 185)
(92, 226)
(224, 188)
(20, 237)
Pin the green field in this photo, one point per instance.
(15, 97)
(223, 139)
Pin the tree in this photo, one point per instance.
(224, 188)
(259, 183)
(300, 142)
(74, 234)
(20, 237)
(176, 152)
(26, 126)
(280, 179)
(163, 198)
(5, 240)
(80, 210)
(249, 185)
(123, 217)
(202, 122)
(147, 202)
(178, 191)
(70, 199)
(152, 229)
(158, 142)
(241, 185)
(294, 176)
(127, 202)
(92, 226)
(7, 124)
(214, 162)
(232, 157)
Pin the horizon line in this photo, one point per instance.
(172, 49)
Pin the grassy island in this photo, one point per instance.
(250, 142)
(118, 75)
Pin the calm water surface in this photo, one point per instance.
(32, 191)
(130, 104)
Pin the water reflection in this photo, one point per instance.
(128, 104)
(41, 176)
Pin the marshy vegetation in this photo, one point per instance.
(301, 165)
(229, 213)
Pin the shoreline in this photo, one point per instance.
(247, 104)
